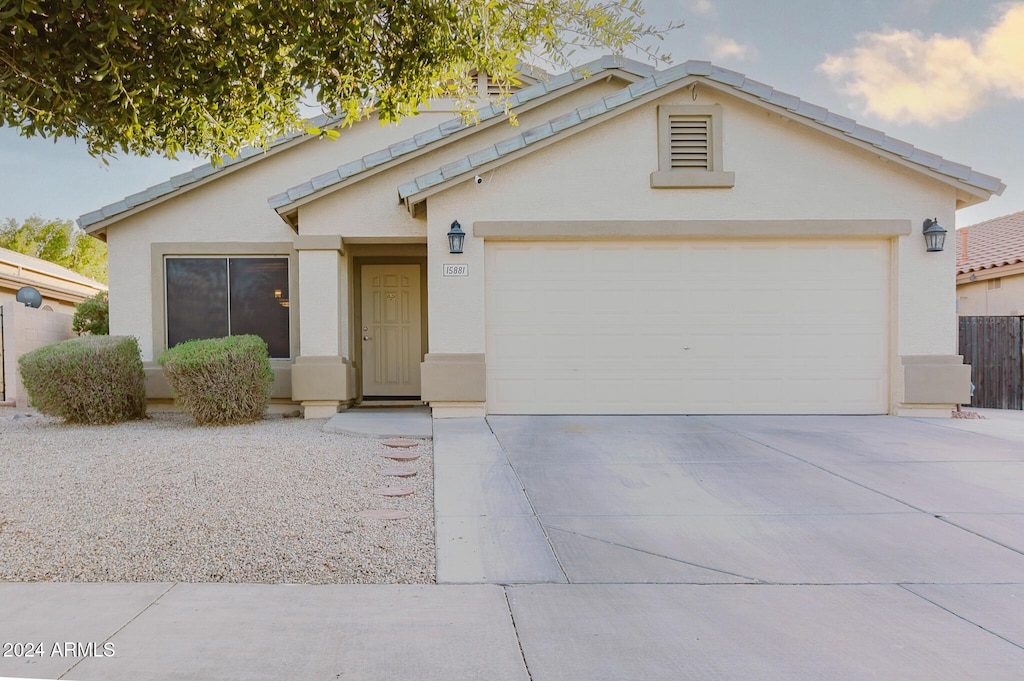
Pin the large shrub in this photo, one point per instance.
(93, 379)
(92, 316)
(220, 380)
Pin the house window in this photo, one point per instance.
(690, 148)
(995, 284)
(210, 297)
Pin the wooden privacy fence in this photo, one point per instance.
(992, 346)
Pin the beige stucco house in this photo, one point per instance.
(990, 267)
(682, 241)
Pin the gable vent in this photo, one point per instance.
(493, 89)
(689, 138)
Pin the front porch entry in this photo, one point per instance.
(390, 331)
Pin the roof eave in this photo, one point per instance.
(289, 211)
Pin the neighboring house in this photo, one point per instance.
(687, 241)
(23, 329)
(61, 288)
(990, 267)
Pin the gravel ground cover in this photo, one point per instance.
(164, 500)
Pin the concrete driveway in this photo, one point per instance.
(657, 548)
(742, 547)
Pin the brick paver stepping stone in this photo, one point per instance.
(401, 443)
(393, 491)
(396, 472)
(401, 456)
(384, 514)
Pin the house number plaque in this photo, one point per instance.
(455, 270)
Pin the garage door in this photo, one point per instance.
(695, 327)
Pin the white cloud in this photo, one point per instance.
(702, 7)
(726, 48)
(910, 78)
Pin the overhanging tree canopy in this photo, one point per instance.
(211, 76)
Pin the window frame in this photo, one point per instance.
(713, 176)
(160, 251)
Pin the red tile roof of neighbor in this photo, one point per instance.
(995, 242)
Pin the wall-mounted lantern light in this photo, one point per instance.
(456, 237)
(934, 236)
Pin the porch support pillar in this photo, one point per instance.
(322, 374)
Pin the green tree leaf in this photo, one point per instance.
(167, 76)
(57, 241)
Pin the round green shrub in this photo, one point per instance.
(219, 381)
(93, 379)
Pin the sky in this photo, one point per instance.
(945, 75)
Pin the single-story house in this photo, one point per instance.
(990, 267)
(684, 241)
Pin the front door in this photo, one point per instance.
(390, 331)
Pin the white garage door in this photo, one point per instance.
(697, 327)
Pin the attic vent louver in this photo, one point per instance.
(689, 141)
(690, 148)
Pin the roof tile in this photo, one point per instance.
(672, 74)
(427, 136)
(486, 155)
(565, 121)
(866, 134)
(841, 123)
(593, 109)
(507, 146)
(304, 189)
(785, 100)
(377, 158)
(538, 133)
(642, 87)
(430, 179)
(616, 98)
(326, 180)
(351, 168)
(927, 159)
(450, 170)
(898, 147)
(757, 89)
(726, 76)
(812, 111)
(992, 243)
(695, 67)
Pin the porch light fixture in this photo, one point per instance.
(456, 237)
(934, 236)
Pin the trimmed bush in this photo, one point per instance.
(218, 381)
(93, 379)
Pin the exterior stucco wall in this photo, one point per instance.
(24, 330)
(977, 299)
(784, 170)
(232, 208)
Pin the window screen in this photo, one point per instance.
(214, 297)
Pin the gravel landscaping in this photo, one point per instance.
(164, 500)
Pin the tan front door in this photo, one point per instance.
(390, 330)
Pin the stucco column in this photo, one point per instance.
(930, 377)
(322, 374)
(452, 374)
